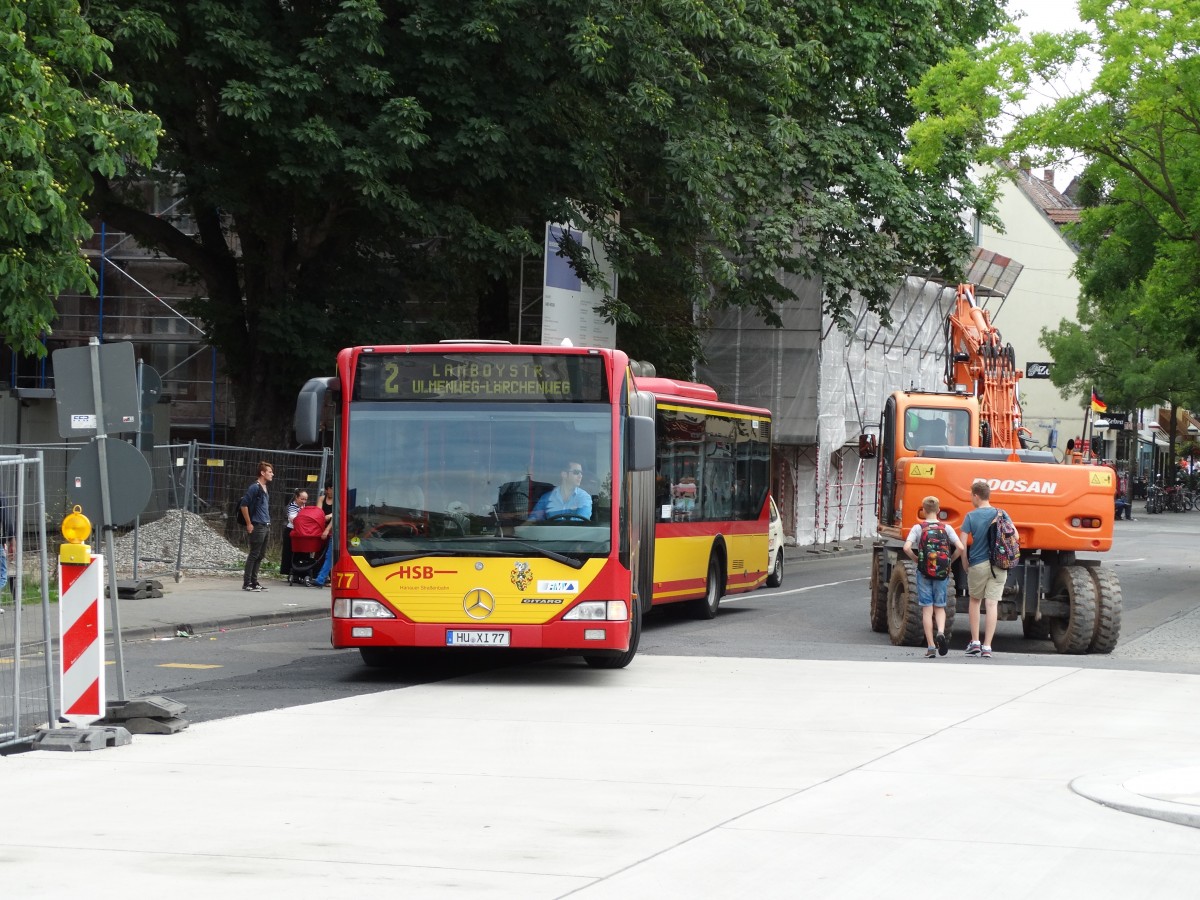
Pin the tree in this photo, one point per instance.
(1137, 126)
(419, 146)
(60, 121)
(1136, 352)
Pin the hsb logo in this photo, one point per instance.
(415, 572)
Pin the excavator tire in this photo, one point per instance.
(879, 591)
(1108, 611)
(1074, 633)
(903, 613)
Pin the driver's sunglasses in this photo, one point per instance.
(575, 471)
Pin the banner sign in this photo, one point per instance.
(1037, 370)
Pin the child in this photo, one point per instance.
(936, 549)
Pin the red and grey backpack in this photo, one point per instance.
(1004, 544)
(933, 551)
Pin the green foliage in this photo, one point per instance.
(711, 144)
(60, 121)
(1137, 126)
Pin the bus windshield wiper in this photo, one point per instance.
(421, 554)
(542, 551)
(532, 548)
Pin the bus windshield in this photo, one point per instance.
(478, 480)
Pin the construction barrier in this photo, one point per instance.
(81, 624)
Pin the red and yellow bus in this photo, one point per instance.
(495, 495)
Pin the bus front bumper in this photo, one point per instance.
(580, 636)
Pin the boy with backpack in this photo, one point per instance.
(992, 549)
(934, 547)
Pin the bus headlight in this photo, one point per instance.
(599, 611)
(352, 608)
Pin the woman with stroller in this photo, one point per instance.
(310, 533)
(299, 499)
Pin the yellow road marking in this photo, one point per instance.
(187, 666)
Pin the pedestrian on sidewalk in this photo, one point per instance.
(933, 546)
(326, 504)
(256, 513)
(985, 582)
(299, 499)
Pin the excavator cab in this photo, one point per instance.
(913, 421)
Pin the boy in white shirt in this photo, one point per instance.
(934, 547)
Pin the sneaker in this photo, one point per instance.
(943, 645)
(985, 652)
(931, 653)
(251, 587)
(974, 649)
(259, 587)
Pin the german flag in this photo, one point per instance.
(1098, 404)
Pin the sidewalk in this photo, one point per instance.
(688, 777)
(207, 603)
(211, 603)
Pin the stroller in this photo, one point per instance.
(308, 547)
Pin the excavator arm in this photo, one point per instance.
(980, 364)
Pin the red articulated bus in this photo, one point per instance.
(496, 495)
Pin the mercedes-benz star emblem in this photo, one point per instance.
(479, 604)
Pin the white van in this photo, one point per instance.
(775, 543)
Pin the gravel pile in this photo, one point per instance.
(205, 552)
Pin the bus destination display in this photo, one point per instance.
(509, 376)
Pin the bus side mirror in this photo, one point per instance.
(639, 443)
(867, 447)
(309, 404)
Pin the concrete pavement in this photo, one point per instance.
(676, 777)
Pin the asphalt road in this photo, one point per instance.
(820, 612)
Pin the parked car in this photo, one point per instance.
(775, 543)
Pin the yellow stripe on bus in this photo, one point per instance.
(708, 411)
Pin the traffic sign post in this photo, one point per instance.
(96, 391)
(84, 374)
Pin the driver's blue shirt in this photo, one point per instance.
(552, 504)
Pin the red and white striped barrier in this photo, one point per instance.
(81, 625)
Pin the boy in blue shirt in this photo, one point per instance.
(985, 583)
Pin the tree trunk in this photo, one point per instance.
(264, 411)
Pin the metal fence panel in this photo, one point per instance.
(27, 686)
(188, 526)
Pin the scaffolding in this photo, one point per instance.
(826, 387)
(139, 298)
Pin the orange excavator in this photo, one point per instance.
(941, 443)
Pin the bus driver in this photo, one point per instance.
(567, 501)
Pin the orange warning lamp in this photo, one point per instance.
(75, 528)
